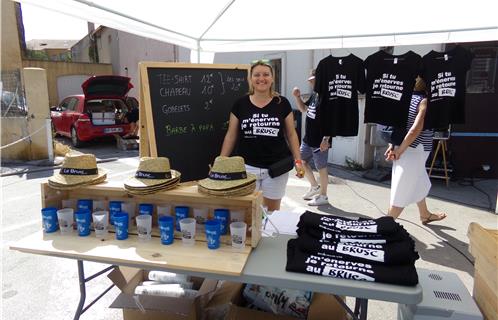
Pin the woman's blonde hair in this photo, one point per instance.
(272, 92)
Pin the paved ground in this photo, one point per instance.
(37, 287)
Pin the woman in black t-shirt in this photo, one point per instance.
(262, 126)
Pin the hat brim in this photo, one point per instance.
(144, 183)
(224, 184)
(242, 191)
(159, 186)
(72, 180)
(58, 186)
(151, 190)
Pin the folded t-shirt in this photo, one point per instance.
(302, 262)
(392, 253)
(332, 236)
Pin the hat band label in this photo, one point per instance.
(227, 175)
(152, 175)
(78, 172)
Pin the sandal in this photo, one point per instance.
(433, 217)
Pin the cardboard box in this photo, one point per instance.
(155, 307)
(228, 301)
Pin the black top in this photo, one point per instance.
(390, 81)
(338, 80)
(312, 135)
(132, 115)
(445, 76)
(262, 131)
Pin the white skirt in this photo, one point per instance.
(410, 182)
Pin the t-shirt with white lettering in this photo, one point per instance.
(337, 81)
(390, 81)
(312, 134)
(261, 139)
(445, 77)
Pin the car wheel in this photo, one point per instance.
(74, 138)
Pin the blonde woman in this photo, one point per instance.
(262, 126)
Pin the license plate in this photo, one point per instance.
(113, 130)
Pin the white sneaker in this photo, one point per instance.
(313, 191)
(319, 200)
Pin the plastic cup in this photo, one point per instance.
(99, 205)
(237, 216)
(201, 215)
(213, 232)
(238, 234)
(83, 218)
(144, 227)
(187, 227)
(163, 210)
(121, 224)
(223, 215)
(49, 219)
(100, 223)
(84, 204)
(114, 207)
(145, 208)
(66, 219)
(167, 229)
(129, 207)
(68, 203)
(181, 212)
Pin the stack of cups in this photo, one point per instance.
(166, 229)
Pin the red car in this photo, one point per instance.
(96, 113)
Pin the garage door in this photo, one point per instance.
(69, 85)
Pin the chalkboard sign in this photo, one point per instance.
(187, 110)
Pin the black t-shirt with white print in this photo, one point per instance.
(337, 81)
(445, 76)
(390, 81)
(312, 135)
(262, 131)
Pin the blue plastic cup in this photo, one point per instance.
(83, 218)
(121, 225)
(50, 222)
(181, 212)
(223, 215)
(84, 204)
(167, 229)
(213, 232)
(145, 208)
(114, 207)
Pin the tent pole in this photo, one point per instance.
(198, 51)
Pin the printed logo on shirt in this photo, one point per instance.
(260, 124)
(388, 87)
(311, 111)
(340, 87)
(345, 274)
(370, 254)
(444, 85)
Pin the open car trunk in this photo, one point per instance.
(106, 111)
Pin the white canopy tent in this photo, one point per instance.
(260, 25)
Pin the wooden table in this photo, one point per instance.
(264, 266)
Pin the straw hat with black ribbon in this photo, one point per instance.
(227, 173)
(77, 170)
(153, 172)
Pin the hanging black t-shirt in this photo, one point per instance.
(337, 81)
(262, 131)
(445, 76)
(312, 135)
(390, 81)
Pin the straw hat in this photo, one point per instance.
(78, 169)
(227, 173)
(151, 172)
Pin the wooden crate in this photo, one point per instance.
(185, 194)
(484, 247)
